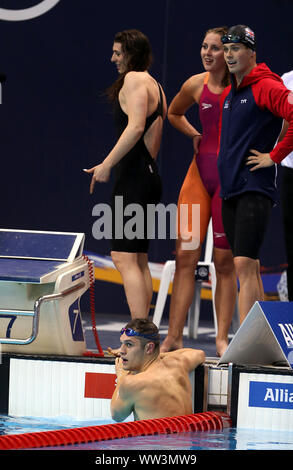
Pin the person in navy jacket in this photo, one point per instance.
(252, 111)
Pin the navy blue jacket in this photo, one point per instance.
(251, 118)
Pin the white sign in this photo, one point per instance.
(265, 401)
(27, 13)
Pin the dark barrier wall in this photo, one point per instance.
(56, 121)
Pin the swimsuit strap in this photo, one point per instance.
(206, 78)
(158, 112)
(160, 105)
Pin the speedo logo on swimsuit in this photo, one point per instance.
(219, 234)
(206, 105)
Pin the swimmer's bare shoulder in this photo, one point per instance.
(192, 87)
(134, 80)
(189, 93)
(137, 82)
(188, 357)
(123, 399)
(132, 384)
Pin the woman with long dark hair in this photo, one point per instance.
(139, 110)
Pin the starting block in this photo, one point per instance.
(265, 336)
(42, 278)
(260, 363)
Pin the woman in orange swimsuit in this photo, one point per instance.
(201, 186)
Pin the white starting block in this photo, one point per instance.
(42, 277)
(205, 271)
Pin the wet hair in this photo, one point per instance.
(136, 46)
(145, 327)
(221, 31)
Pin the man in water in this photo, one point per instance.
(149, 383)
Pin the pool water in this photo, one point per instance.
(227, 439)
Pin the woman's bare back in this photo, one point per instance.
(153, 136)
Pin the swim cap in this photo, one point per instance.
(240, 33)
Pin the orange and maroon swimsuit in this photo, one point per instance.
(202, 185)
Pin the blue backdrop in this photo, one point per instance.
(56, 121)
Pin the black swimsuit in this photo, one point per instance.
(137, 180)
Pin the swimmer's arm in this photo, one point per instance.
(136, 100)
(122, 403)
(274, 96)
(187, 96)
(263, 160)
(284, 130)
(191, 358)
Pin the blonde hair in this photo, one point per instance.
(221, 30)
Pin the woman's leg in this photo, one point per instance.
(192, 193)
(182, 295)
(144, 267)
(252, 219)
(135, 280)
(260, 283)
(247, 270)
(226, 288)
(246, 218)
(225, 296)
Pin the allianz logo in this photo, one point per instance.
(271, 395)
(287, 332)
(278, 395)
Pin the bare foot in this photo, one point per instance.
(221, 345)
(170, 344)
(113, 352)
